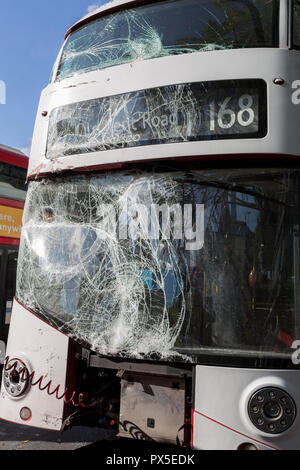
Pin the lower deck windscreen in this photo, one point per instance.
(165, 264)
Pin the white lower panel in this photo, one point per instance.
(45, 351)
(221, 400)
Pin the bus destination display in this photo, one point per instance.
(174, 113)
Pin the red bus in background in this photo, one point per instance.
(13, 170)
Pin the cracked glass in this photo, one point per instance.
(169, 28)
(166, 264)
(224, 109)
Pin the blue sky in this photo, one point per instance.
(31, 34)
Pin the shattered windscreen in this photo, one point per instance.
(165, 264)
(167, 28)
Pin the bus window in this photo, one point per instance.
(169, 28)
(8, 266)
(12, 182)
(296, 24)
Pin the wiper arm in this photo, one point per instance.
(230, 187)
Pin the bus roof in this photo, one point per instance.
(13, 156)
(107, 8)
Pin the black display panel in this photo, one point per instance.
(231, 109)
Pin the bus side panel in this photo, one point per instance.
(44, 351)
(221, 403)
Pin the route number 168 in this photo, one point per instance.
(226, 117)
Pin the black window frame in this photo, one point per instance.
(292, 45)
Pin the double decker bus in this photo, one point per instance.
(158, 275)
(13, 169)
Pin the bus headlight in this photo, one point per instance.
(16, 377)
(272, 410)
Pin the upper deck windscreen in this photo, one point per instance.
(169, 28)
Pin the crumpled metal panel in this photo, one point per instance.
(152, 408)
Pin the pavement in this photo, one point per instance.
(95, 442)
(17, 437)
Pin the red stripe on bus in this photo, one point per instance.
(202, 158)
(11, 203)
(9, 241)
(6, 156)
(234, 430)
